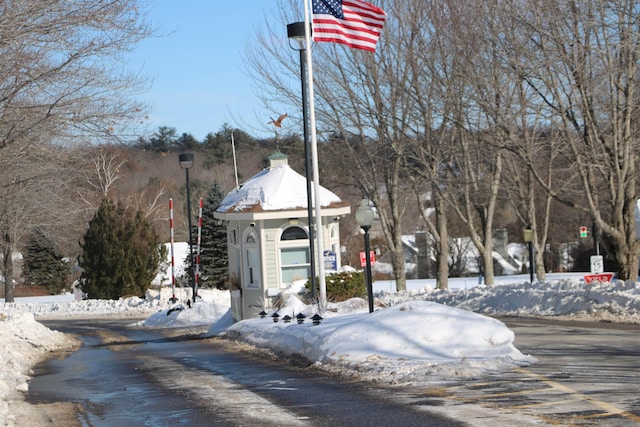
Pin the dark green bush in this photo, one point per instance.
(344, 285)
(121, 253)
(44, 264)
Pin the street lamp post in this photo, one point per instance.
(295, 32)
(364, 218)
(186, 162)
(528, 236)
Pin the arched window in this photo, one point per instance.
(295, 261)
(294, 233)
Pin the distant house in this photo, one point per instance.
(268, 235)
(420, 258)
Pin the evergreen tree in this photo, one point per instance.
(100, 258)
(144, 253)
(217, 149)
(120, 254)
(217, 146)
(214, 263)
(163, 139)
(44, 265)
(186, 141)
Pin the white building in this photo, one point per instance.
(268, 233)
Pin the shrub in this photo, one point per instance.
(120, 254)
(44, 264)
(344, 285)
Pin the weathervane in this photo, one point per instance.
(278, 124)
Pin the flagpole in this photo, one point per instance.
(314, 157)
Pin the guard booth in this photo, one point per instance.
(268, 235)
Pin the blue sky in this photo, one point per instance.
(199, 75)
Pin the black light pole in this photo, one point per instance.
(364, 218)
(186, 162)
(531, 262)
(295, 31)
(528, 236)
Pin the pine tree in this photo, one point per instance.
(99, 258)
(214, 263)
(143, 255)
(44, 265)
(120, 254)
(217, 148)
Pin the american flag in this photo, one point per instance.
(352, 22)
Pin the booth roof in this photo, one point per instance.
(274, 189)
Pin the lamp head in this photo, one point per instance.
(186, 160)
(364, 214)
(295, 31)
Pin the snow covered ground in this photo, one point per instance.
(413, 334)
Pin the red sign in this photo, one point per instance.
(363, 258)
(602, 277)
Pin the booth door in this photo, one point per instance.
(252, 291)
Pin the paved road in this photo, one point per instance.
(124, 376)
(588, 374)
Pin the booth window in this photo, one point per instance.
(252, 261)
(295, 262)
(252, 268)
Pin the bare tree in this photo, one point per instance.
(361, 105)
(430, 55)
(533, 148)
(62, 80)
(63, 63)
(530, 147)
(461, 93)
(581, 61)
(463, 152)
(33, 192)
(369, 140)
(104, 170)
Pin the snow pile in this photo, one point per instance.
(402, 342)
(128, 307)
(211, 309)
(180, 252)
(617, 301)
(25, 342)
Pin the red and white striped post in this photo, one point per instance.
(198, 248)
(173, 268)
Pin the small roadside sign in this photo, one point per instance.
(597, 264)
(330, 261)
(602, 277)
(363, 258)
